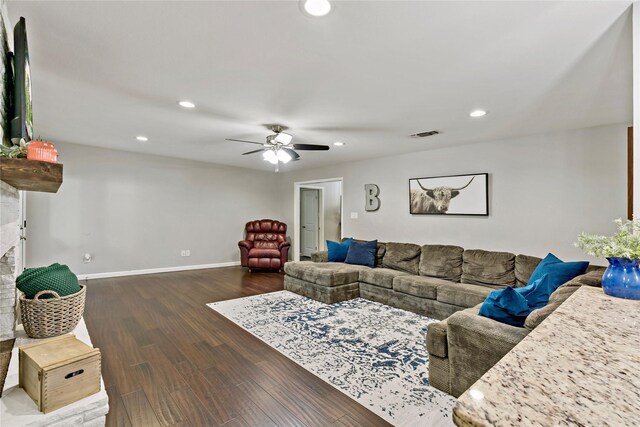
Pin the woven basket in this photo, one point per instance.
(52, 317)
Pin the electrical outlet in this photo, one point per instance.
(187, 252)
(354, 215)
(183, 253)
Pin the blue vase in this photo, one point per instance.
(622, 278)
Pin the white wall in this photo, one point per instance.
(636, 107)
(135, 211)
(331, 206)
(544, 190)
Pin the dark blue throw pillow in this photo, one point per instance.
(362, 253)
(338, 250)
(551, 273)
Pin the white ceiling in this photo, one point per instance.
(369, 74)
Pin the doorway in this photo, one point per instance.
(309, 221)
(317, 215)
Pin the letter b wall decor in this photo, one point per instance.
(372, 201)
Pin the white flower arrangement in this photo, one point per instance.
(624, 244)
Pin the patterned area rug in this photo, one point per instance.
(371, 352)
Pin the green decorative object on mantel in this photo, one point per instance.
(18, 151)
(622, 250)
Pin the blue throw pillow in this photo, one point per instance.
(537, 294)
(338, 250)
(551, 264)
(506, 306)
(549, 275)
(362, 253)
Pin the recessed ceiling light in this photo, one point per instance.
(338, 143)
(477, 113)
(142, 138)
(317, 7)
(186, 104)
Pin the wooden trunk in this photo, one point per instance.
(59, 371)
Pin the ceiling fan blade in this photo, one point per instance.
(254, 151)
(241, 140)
(311, 147)
(294, 156)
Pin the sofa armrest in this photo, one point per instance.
(320, 256)
(245, 244)
(475, 343)
(437, 339)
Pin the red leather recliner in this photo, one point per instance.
(265, 246)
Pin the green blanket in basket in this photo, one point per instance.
(55, 277)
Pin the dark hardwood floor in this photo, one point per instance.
(169, 360)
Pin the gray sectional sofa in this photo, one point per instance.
(441, 282)
(433, 280)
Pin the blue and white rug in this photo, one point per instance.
(371, 352)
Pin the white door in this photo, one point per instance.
(309, 223)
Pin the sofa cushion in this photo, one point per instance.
(593, 276)
(442, 261)
(437, 339)
(486, 268)
(325, 273)
(402, 257)
(382, 277)
(561, 294)
(462, 294)
(535, 318)
(380, 253)
(525, 266)
(419, 286)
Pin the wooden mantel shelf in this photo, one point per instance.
(30, 175)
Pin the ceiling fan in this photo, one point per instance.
(278, 147)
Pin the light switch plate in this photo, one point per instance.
(354, 215)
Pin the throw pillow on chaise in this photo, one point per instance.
(362, 253)
(337, 251)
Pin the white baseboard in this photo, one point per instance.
(155, 270)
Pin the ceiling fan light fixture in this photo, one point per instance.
(270, 156)
(283, 138)
(317, 7)
(283, 156)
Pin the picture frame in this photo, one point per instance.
(466, 194)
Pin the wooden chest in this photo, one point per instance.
(59, 371)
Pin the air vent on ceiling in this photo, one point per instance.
(424, 134)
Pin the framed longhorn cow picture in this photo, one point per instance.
(450, 195)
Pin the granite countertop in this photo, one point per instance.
(579, 367)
